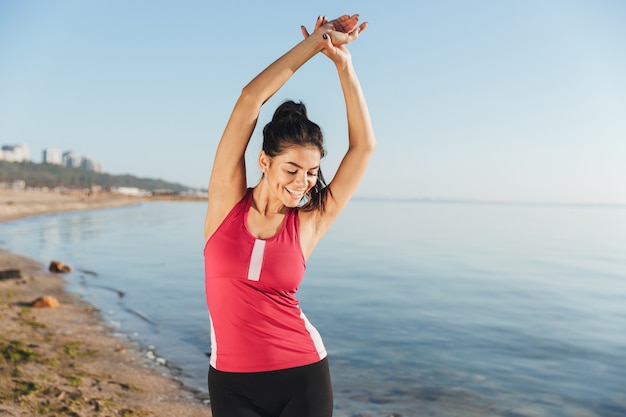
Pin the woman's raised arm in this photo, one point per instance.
(361, 139)
(227, 184)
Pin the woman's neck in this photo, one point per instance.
(265, 203)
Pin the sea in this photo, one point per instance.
(427, 308)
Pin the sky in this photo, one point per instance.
(495, 100)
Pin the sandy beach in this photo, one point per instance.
(64, 360)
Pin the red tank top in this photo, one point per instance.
(256, 322)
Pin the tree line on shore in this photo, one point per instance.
(51, 176)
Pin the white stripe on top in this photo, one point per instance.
(256, 260)
(315, 336)
(213, 359)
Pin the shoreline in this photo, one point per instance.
(18, 204)
(65, 360)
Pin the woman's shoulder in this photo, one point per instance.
(220, 209)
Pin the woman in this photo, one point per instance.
(266, 358)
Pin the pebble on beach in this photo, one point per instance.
(46, 301)
(10, 274)
(59, 267)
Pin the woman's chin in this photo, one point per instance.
(291, 203)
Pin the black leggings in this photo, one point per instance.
(305, 391)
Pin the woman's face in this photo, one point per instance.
(292, 173)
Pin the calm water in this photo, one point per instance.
(426, 309)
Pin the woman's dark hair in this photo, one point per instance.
(291, 126)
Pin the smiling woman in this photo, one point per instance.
(296, 145)
(267, 359)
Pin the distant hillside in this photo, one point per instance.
(47, 175)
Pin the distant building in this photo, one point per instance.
(71, 159)
(90, 165)
(52, 156)
(132, 191)
(86, 163)
(18, 185)
(15, 153)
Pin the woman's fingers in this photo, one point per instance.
(345, 23)
(344, 27)
(319, 22)
(361, 27)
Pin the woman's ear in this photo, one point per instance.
(264, 161)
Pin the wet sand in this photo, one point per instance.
(64, 360)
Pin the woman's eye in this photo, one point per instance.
(291, 172)
(313, 174)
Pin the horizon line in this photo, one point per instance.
(491, 202)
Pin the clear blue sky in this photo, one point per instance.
(493, 99)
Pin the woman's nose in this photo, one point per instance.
(301, 179)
